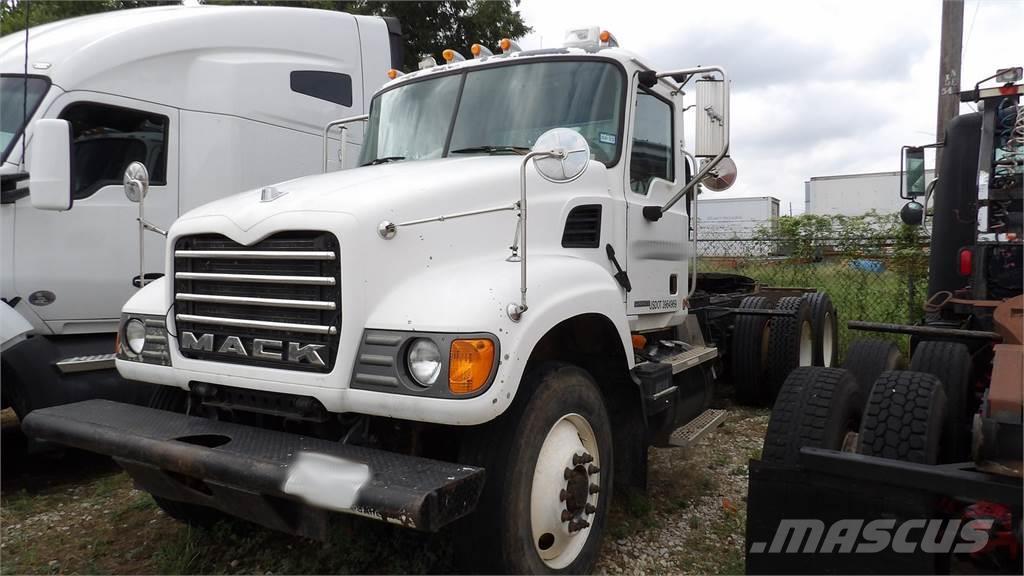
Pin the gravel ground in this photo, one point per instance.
(693, 519)
(79, 514)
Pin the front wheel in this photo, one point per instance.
(549, 478)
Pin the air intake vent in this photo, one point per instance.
(583, 227)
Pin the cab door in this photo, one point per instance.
(86, 257)
(657, 251)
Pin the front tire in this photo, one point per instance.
(549, 477)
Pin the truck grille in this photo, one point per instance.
(275, 303)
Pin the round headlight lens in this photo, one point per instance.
(135, 335)
(424, 361)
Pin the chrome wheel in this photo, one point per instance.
(806, 344)
(565, 491)
(827, 341)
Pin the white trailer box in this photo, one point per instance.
(855, 194)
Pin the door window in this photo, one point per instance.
(106, 139)
(652, 143)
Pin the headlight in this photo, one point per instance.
(424, 361)
(135, 335)
(143, 338)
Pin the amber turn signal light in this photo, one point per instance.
(469, 365)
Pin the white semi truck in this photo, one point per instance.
(212, 100)
(487, 322)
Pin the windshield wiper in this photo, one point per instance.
(384, 160)
(521, 150)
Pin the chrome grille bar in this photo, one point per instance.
(253, 301)
(255, 254)
(239, 323)
(256, 278)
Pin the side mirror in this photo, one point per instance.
(136, 182)
(913, 177)
(712, 112)
(50, 169)
(573, 149)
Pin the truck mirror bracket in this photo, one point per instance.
(653, 213)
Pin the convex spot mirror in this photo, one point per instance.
(721, 177)
(50, 167)
(573, 155)
(136, 182)
(912, 213)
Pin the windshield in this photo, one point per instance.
(12, 106)
(500, 109)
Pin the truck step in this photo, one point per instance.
(695, 429)
(692, 357)
(86, 363)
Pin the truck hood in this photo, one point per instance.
(398, 191)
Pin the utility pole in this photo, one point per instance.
(949, 69)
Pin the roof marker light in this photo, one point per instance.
(426, 61)
(480, 51)
(590, 39)
(507, 46)
(392, 74)
(452, 56)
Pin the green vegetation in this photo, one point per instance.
(812, 251)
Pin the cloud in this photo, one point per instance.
(758, 56)
(820, 87)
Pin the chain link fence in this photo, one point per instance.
(868, 278)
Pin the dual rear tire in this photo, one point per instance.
(903, 418)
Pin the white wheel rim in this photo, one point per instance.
(806, 344)
(570, 437)
(826, 341)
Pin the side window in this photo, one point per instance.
(329, 86)
(106, 139)
(652, 143)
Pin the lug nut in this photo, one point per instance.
(581, 459)
(566, 515)
(590, 509)
(578, 524)
(594, 488)
(593, 469)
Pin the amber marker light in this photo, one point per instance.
(469, 365)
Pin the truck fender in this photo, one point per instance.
(150, 299)
(13, 327)
(474, 297)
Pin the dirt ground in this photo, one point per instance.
(76, 513)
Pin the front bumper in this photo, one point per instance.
(257, 474)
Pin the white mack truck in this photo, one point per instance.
(487, 322)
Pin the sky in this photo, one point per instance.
(819, 87)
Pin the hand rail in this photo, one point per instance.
(342, 123)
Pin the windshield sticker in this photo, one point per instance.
(607, 138)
